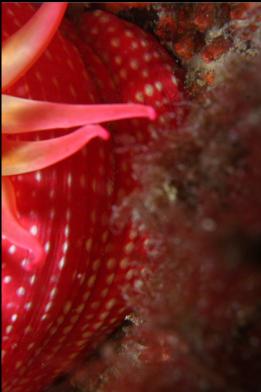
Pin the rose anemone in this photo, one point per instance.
(21, 116)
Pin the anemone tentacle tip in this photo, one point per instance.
(104, 134)
(152, 113)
